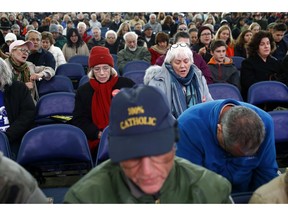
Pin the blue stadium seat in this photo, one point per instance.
(55, 107)
(224, 91)
(237, 61)
(74, 71)
(4, 145)
(115, 60)
(137, 76)
(57, 155)
(136, 65)
(58, 83)
(280, 119)
(83, 80)
(268, 95)
(80, 59)
(102, 153)
(241, 197)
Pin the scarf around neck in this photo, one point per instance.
(180, 100)
(22, 72)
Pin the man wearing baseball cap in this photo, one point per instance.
(142, 167)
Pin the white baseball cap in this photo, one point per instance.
(20, 43)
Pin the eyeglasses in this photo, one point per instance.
(206, 34)
(24, 50)
(110, 37)
(182, 29)
(159, 159)
(174, 46)
(98, 69)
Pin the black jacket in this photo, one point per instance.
(82, 114)
(42, 58)
(20, 110)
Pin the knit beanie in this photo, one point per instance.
(202, 28)
(100, 55)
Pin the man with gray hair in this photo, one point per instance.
(16, 30)
(132, 51)
(39, 56)
(232, 138)
(156, 27)
(97, 39)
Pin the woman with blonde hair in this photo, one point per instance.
(123, 29)
(254, 27)
(224, 33)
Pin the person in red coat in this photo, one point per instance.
(160, 48)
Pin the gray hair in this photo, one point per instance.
(179, 50)
(81, 24)
(129, 34)
(5, 74)
(111, 32)
(242, 125)
(32, 31)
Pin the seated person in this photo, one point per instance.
(17, 108)
(222, 68)
(143, 167)
(132, 51)
(93, 99)
(234, 139)
(39, 56)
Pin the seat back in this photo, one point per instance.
(80, 59)
(135, 65)
(280, 120)
(103, 31)
(241, 197)
(237, 61)
(137, 76)
(55, 107)
(115, 60)
(268, 94)
(83, 80)
(224, 91)
(58, 83)
(74, 71)
(4, 145)
(102, 153)
(57, 155)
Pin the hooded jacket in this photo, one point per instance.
(224, 73)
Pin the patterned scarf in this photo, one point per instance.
(101, 101)
(185, 91)
(22, 72)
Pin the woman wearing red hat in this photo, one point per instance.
(93, 99)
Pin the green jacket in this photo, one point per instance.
(186, 183)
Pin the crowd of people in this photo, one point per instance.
(169, 140)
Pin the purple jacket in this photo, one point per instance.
(198, 61)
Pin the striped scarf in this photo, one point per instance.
(185, 91)
(22, 72)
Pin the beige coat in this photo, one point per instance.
(48, 73)
(274, 192)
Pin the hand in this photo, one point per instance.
(202, 51)
(36, 77)
(30, 85)
(99, 134)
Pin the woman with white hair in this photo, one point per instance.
(180, 79)
(17, 109)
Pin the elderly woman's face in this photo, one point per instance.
(181, 65)
(20, 54)
(102, 72)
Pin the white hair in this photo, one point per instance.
(129, 34)
(111, 32)
(179, 50)
(5, 74)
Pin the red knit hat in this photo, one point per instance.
(100, 55)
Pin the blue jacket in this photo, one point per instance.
(198, 143)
